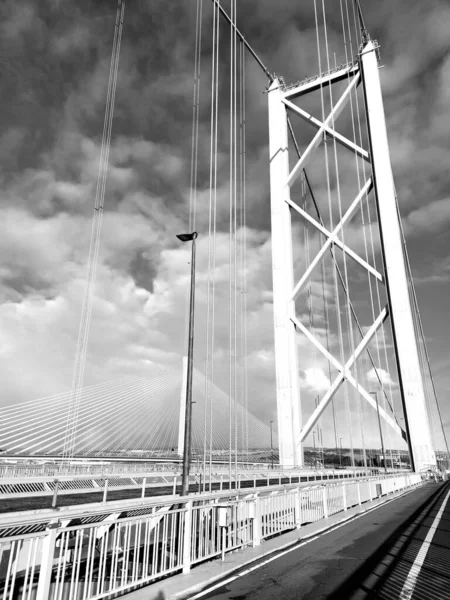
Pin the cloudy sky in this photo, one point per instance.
(54, 68)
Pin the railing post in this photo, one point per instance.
(55, 494)
(358, 488)
(144, 482)
(47, 553)
(298, 508)
(325, 505)
(344, 497)
(221, 482)
(257, 522)
(187, 537)
(105, 491)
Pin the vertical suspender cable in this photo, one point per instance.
(241, 249)
(352, 336)
(195, 117)
(336, 291)
(422, 334)
(208, 358)
(323, 276)
(194, 138)
(213, 292)
(86, 313)
(244, 241)
(338, 189)
(235, 212)
(384, 395)
(230, 252)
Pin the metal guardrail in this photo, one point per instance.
(61, 470)
(74, 554)
(115, 468)
(18, 470)
(32, 486)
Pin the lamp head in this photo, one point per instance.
(187, 237)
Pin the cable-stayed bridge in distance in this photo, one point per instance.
(130, 417)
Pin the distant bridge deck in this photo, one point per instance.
(30, 493)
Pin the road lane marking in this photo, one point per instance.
(411, 579)
(278, 555)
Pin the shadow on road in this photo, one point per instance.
(383, 574)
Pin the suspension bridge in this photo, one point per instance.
(91, 495)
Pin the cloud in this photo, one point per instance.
(55, 68)
(435, 273)
(430, 218)
(315, 380)
(381, 375)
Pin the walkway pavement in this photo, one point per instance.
(211, 580)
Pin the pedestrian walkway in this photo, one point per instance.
(216, 573)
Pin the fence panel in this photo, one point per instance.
(94, 561)
(240, 531)
(312, 505)
(335, 499)
(277, 513)
(351, 494)
(364, 487)
(206, 539)
(19, 568)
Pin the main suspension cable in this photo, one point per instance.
(231, 21)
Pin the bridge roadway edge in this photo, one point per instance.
(216, 572)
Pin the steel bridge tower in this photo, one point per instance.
(292, 432)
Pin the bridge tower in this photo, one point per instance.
(291, 430)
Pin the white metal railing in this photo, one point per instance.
(15, 487)
(61, 469)
(92, 560)
(112, 468)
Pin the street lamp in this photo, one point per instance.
(314, 445)
(381, 431)
(271, 442)
(189, 237)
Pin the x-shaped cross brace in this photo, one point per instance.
(344, 373)
(323, 129)
(333, 238)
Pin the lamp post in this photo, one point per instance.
(314, 446)
(271, 442)
(189, 237)
(381, 431)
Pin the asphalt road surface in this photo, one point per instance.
(374, 556)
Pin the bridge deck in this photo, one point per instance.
(38, 500)
(400, 550)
